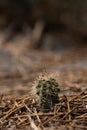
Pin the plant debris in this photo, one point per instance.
(21, 111)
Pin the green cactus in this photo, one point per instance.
(47, 91)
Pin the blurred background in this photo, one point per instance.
(42, 35)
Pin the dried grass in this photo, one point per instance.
(18, 112)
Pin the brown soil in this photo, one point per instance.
(20, 66)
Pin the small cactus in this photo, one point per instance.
(47, 92)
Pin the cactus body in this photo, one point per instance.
(47, 91)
